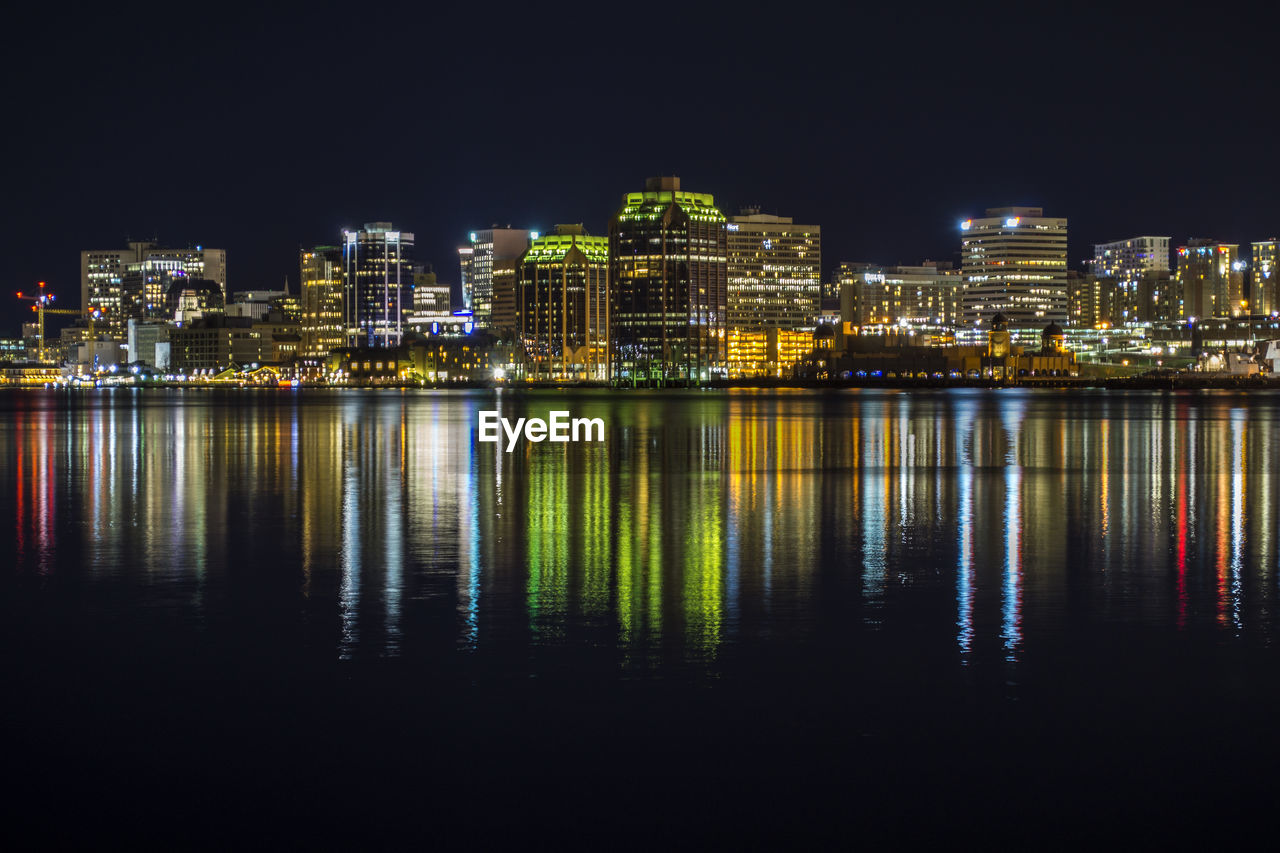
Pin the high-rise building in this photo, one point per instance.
(323, 324)
(133, 281)
(923, 295)
(1210, 280)
(775, 272)
(562, 306)
(1126, 262)
(377, 271)
(489, 263)
(1264, 292)
(669, 274)
(1014, 261)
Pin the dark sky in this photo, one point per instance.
(261, 131)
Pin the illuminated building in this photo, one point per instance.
(927, 295)
(322, 311)
(103, 274)
(562, 306)
(670, 282)
(1209, 281)
(377, 270)
(488, 269)
(775, 272)
(1264, 297)
(1097, 301)
(1127, 262)
(1014, 261)
(431, 299)
(770, 352)
(190, 298)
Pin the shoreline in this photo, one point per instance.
(1131, 383)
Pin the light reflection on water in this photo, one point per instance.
(970, 521)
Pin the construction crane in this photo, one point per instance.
(40, 305)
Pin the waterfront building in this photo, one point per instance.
(769, 352)
(1264, 286)
(774, 272)
(1209, 281)
(669, 276)
(322, 314)
(488, 271)
(562, 307)
(1014, 262)
(1126, 263)
(377, 271)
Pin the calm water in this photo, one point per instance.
(857, 612)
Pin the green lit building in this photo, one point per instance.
(562, 307)
(669, 277)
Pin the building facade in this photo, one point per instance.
(130, 282)
(927, 295)
(1127, 263)
(1014, 261)
(669, 275)
(1209, 281)
(562, 307)
(377, 272)
(488, 269)
(322, 317)
(775, 272)
(1264, 295)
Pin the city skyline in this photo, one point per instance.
(886, 154)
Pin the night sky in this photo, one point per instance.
(262, 132)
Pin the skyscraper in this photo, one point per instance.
(1210, 280)
(323, 327)
(1014, 261)
(377, 270)
(1126, 262)
(669, 255)
(489, 261)
(562, 306)
(775, 272)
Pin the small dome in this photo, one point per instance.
(1053, 330)
(823, 332)
(999, 321)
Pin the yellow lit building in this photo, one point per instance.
(767, 352)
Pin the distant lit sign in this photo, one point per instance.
(966, 225)
(732, 226)
(1011, 222)
(473, 236)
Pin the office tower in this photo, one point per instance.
(323, 326)
(1264, 296)
(1210, 280)
(377, 270)
(775, 272)
(669, 277)
(1126, 262)
(133, 281)
(927, 295)
(562, 306)
(489, 262)
(1014, 261)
